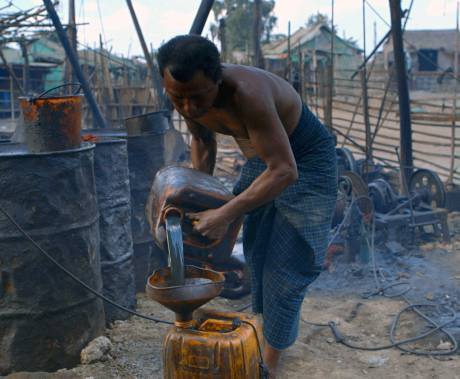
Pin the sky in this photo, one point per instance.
(163, 19)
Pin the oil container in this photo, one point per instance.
(181, 189)
(152, 144)
(46, 318)
(51, 123)
(116, 247)
(222, 345)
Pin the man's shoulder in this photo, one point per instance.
(248, 83)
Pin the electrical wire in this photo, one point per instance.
(425, 56)
(381, 290)
(263, 367)
(76, 279)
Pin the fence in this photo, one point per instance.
(434, 120)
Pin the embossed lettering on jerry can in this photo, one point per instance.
(211, 345)
(223, 345)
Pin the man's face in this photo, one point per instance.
(194, 98)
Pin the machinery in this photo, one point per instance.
(366, 188)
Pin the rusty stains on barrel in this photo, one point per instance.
(116, 247)
(51, 123)
(46, 318)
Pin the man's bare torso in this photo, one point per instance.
(256, 85)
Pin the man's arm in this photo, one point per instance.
(271, 142)
(204, 147)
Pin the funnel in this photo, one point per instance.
(201, 286)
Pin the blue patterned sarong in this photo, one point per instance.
(285, 240)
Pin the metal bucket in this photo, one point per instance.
(51, 123)
(46, 318)
(147, 123)
(116, 248)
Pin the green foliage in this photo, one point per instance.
(321, 18)
(318, 18)
(238, 16)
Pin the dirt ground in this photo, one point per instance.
(433, 271)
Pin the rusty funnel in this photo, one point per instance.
(201, 286)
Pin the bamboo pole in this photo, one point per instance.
(330, 96)
(454, 105)
(289, 63)
(11, 72)
(13, 115)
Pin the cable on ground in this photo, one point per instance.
(88, 288)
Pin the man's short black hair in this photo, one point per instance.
(185, 55)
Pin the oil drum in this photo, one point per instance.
(116, 248)
(46, 318)
(152, 144)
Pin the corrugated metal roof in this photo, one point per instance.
(14, 57)
(428, 39)
(301, 37)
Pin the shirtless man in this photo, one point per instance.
(287, 188)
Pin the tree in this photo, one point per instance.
(238, 17)
(318, 18)
(321, 18)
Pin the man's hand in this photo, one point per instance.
(211, 223)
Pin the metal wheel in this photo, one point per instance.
(345, 160)
(429, 186)
(382, 195)
(359, 187)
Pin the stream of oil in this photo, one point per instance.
(175, 249)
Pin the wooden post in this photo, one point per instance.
(289, 54)
(258, 59)
(330, 94)
(13, 111)
(454, 105)
(364, 94)
(69, 73)
(301, 74)
(223, 40)
(155, 75)
(316, 80)
(11, 73)
(107, 86)
(403, 92)
(25, 67)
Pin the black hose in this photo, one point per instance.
(88, 288)
(381, 290)
(264, 373)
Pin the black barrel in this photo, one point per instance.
(46, 318)
(152, 145)
(113, 195)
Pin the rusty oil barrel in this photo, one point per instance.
(51, 123)
(152, 144)
(46, 318)
(113, 197)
